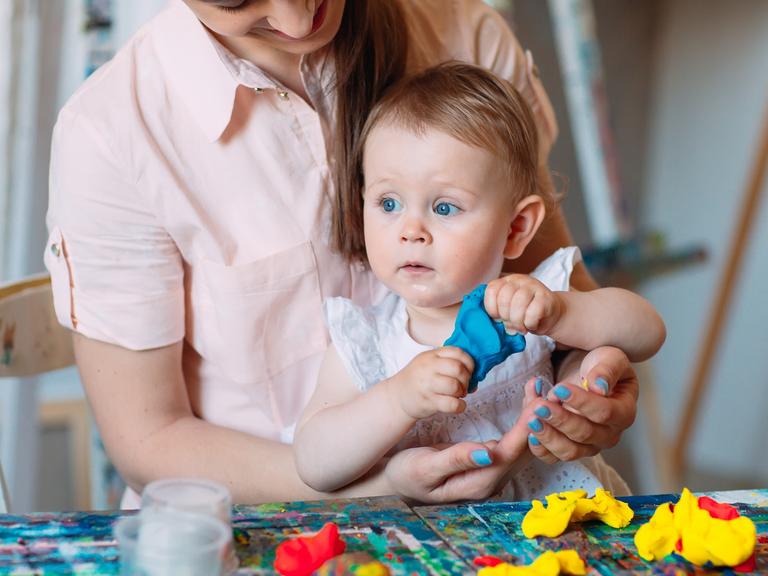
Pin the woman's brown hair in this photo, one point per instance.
(370, 52)
(466, 102)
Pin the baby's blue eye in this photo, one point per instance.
(446, 209)
(390, 204)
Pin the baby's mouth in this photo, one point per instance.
(415, 268)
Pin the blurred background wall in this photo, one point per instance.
(687, 88)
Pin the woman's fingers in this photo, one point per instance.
(535, 388)
(577, 429)
(563, 448)
(588, 410)
(455, 459)
(514, 443)
(602, 368)
(443, 474)
(539, 450)
(464, 471)
(617, 411)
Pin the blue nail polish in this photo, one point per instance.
(562, 392)
(539, 385)
(481, 457)
(543, 411)
(536, 425)
(603, 385)
(533, 440)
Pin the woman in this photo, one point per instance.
(190, 249)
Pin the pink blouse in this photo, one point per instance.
(190, 200)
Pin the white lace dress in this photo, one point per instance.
(374, 344)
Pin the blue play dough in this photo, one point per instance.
(481, 337)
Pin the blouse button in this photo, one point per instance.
(258, 90)
(55, 250)
(283, 94)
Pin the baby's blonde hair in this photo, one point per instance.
(466, 102)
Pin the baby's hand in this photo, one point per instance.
(434, 381)
(523, 303)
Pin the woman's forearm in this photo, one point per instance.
(140, 403)
(255, 470)
(341, 443)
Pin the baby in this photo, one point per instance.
(450, 192)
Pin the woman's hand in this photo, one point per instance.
(463, 471)
(579, 423)
(573, 422)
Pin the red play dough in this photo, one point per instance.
(726, 512)
(748, 565)
(721, 511)
(486, 561)
(305, 554)
(718, 509)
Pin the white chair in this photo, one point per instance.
(32, 341)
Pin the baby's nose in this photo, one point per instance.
(415, 231)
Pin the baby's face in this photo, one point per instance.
(437, 214)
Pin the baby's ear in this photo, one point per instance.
(529, 214)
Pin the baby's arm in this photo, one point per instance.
(584, 320)
(609, 317)
(344, 433)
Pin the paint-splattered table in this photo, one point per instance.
(420, 540)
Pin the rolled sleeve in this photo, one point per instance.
(117, 275)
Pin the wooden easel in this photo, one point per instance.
(709, 342)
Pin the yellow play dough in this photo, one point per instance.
(704, 539)
(372, 569)
(547, 564)
(564, 507)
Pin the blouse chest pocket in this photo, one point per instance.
(258, 318)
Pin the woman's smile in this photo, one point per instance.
(317, 21)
